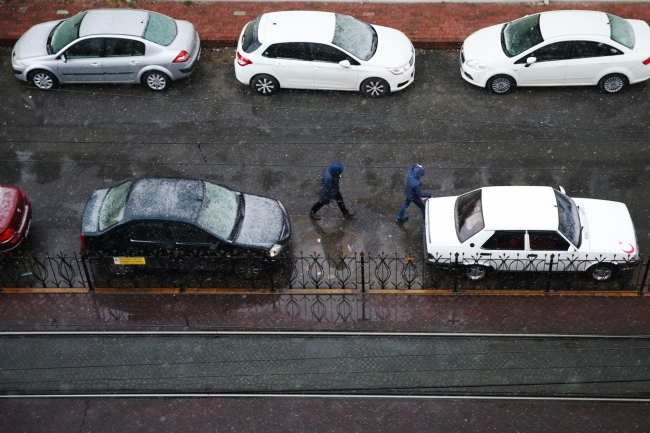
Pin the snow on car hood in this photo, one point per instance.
(440, 225)
(394, 49)
(263, 222)
(484, 45)
(34, 42)
(608, 227)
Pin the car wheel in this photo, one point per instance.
(612, 83)
(601, 272)
(157, 81)
(375, 88)
(249, 269)
(476, 272)
(264, 84)
(43, 80)
(501, 84)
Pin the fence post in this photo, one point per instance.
(363, 273)
(548, 276)
(456, 274)
(645, 276)
(84, 264)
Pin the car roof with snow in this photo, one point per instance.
(114, 21)
(519, 208)
(165, 198)
(556, 24)
(297, 26)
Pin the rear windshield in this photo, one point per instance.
(160, 29)
(622, 31)
(469, 215)
(520, 35)
(249, 40)
(112, 210)
(355, 37)
(569, 218)
(66, 32)
(220, 210)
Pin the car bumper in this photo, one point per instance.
(628, 266)
(400, 82)
(17, 242)
(473, 76)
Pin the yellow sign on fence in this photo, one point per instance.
(129, 260)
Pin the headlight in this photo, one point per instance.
(398, 71)
(476, 64)
(17, 61)
(275, 250)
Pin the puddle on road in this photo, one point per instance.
(332, 240)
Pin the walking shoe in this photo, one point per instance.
(314, 216)
(349, 215)
(401, 219)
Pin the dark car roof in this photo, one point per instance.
(165, 198)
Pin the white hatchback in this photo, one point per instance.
(558, 48)
(527, 229)
(323, 50)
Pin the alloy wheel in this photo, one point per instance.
(501, 85)
(264, 86)
(156, 81)
(375, 88)
(613, 84)
(43, 81)
(601, 273)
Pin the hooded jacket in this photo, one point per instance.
(413, 185)
(329, 184)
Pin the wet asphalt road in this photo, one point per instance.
(60, 145)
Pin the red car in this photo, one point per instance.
(15, 218)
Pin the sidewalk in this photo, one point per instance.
(429, 25)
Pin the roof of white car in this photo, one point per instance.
(297, 26)
(114, 22)
(569, 23)
(519, 208)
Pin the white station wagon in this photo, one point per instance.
(323, 50)
(529, 228)
(558, 48)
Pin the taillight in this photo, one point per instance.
(6, 235)
(83, 241)
(647, 61)
(182, 57)
(243, 61)
(22, 194)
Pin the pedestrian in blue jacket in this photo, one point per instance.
(329, 190)
(413, 191)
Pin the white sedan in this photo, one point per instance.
(558, 48)
(529, 228)
(323, 50)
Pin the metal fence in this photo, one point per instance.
(360, 272)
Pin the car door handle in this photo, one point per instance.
(279, 64)
(319, 69)
(134, 63)
(95, 65)
(532, 255)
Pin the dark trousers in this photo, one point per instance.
(418, 203)
(339, 201)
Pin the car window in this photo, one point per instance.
(148, 231)
(469, 215)
(569, 218)
(548, 53)
(88, 48)
(521, 35)
(123, 47)
(621, 31)
(112, 210)
(329, 54)
(160, 29)
(289, 50)
(249, 40)
(66, 32)
(586, 49)
(355, 37)
(506, 240)
(220, 210)
(547, 241)
(185, 234)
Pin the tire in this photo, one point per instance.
(501, 84)
(156, 81)
(476, 272)
(375, 87)
(613, 83)
(601, 272)
(249, 269)
(265, 85)
(43, 80)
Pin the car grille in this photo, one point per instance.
(462, 55)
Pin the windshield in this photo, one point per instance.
(569, 218)
(355, 37)
(249, 41)
(160, 29)
(469, 215)
(112, 210)
(219, 211)
(622, 31)
(66, 32)
(520, 35)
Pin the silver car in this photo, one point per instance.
(107, 46)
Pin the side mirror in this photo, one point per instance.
(345, 63)
(530, 61)
(559, 188)
(62, 57)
